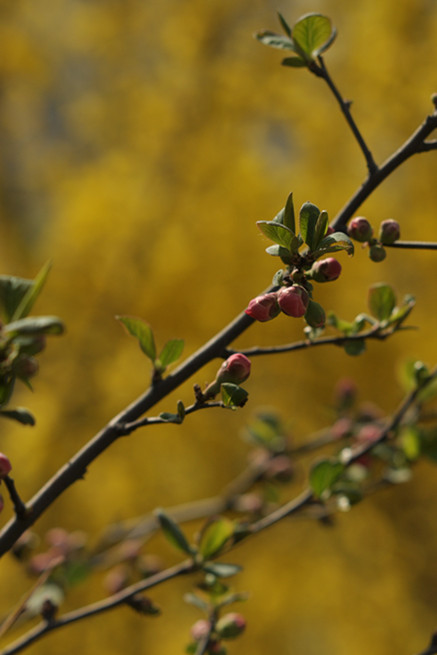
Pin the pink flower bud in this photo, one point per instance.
(5, 466)
(200, 629)
(360, 229)
(231, 625)
(263, 308)
(293, 300)
(235, 369)
(326, 270)
(389, 231)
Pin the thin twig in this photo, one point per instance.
(19, 507)
(345, 108)
(413, 245)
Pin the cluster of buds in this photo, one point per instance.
(235, 370)
(360, 230)
(295, 299)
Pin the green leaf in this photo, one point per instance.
(355, 348)
(6, 389)
(275, 40)
(28, 300)
(35, 325)
(333, 243)
(293, 62)
(19, 414)
(324, 474)
(280, 251)
(222, 570)
(12, 291)
(214, 536)
(382, 301)
(172, 532)
(399, 314)
(168, 417)
(170, 353)
(143, 332)
(308, 216)
(321, 227)
(194, 599)
(313, 34)
(278, 233)
(233, 395)
(285, 25)
(289, 219)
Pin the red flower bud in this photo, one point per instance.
(235, 369)
(263, 308)
(200, 629)
(231, 625)
(326, 270)
(389, 231)
(5, 466)
(293, 300)
(360, 229)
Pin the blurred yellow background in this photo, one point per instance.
(140, 142)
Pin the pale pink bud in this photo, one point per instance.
(360, 229)
(200, 629)
(5, 466)
(293, 300)
(389, 231)
(263, 308)
(231, 625)
(326, 270)
(235, 369)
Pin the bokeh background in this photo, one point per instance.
(140, 142)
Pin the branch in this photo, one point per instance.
(413, 245)
(345, 108)
(415, 144)
(374, 333)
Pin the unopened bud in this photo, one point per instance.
(377, 252)
(231, 625)
(389, 231)
(263, 308)
(315, 315)
(293, 300)
(325, 270)
(5, 466)
(236, 369)
(360, 229)
(26, 366)
(200, 629)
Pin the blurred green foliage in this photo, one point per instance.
(140, 143)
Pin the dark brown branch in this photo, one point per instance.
(19, 507)
(414, 245)
(345, 108)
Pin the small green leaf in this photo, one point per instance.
(308, 216)
(35, 325)
(170, 353)
(324, 474)
(32, 293)
(382, 301)
(172, 532)
(222, 570)
(355, 348)
(280, 251)
(181, 410)
(293, 62)
(19, 414)
(233, 395)
(194, 599)
(285, 25)
(275, 40)
(313, 34)
(143, 332)
(333, 243)
(399, 314)
(12, 291)
(321, 227)
(289, 218)
(278, 233)
(214, 536)
(168, 417)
